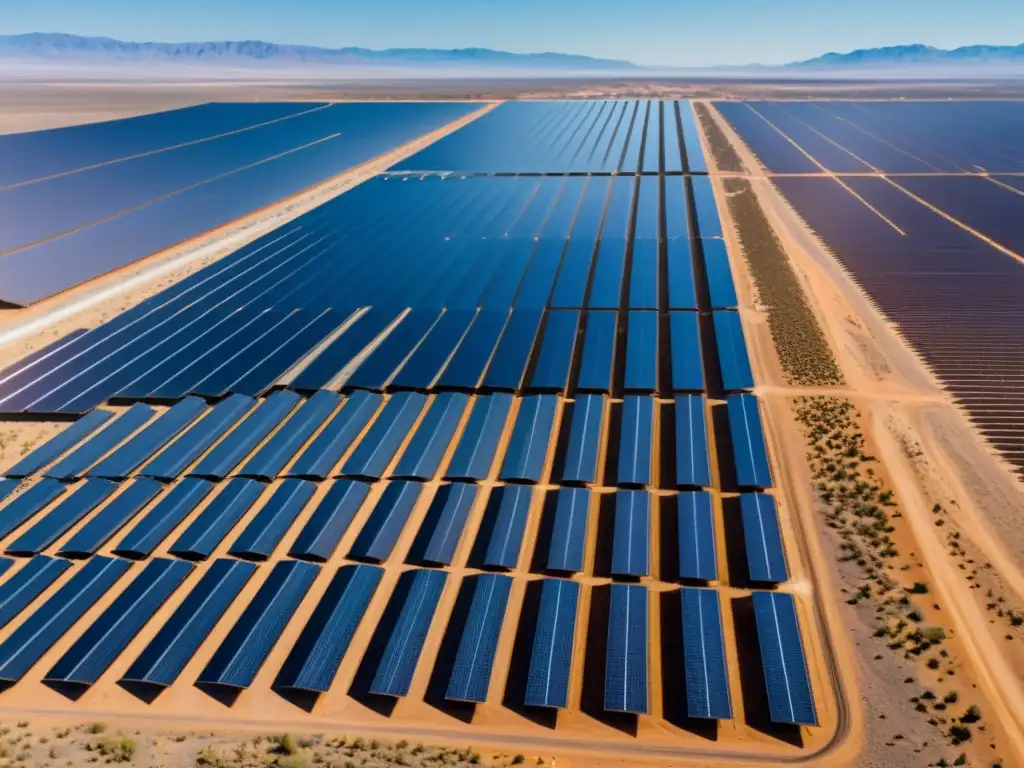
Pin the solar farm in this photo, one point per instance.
(470, 449)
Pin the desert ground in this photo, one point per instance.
(881, 700)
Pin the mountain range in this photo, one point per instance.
(916, 57)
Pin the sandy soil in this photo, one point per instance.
(891, 386)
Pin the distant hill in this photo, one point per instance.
(917, 57)
(58, 48)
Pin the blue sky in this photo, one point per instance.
(671, 32)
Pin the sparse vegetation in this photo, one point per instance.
(726, 158)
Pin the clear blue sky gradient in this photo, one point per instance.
(669, 32)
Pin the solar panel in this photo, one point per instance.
(443, 524)
(732, 352)
(198, 541)
(692, 459)
(547, 682)
(697, 555)
(636, 443)
(642, 352)
(749, 450)
(48, 623)
(474, 661)
(265, 531)
(180, 454)
(707, 674)
(28, 583)
(709, 225)
(695, 161)
(179, 638)
(566, 551)
(424, 365)
(686, 356)
(107, 637)
(551, 373)
(467, 365)
(271, 459)
(422, 457)
(376, 450)
(528, 446)
(239, 658)
(163, 518)
(418, 596)
(134, 497)
(242, 439)
(721, 289)
(25, 506)
(508, 366)
(326, 450)
(380, 533)
(478, 445)
(151, 439)
(320, 648)
(670, 137)
(7, 486)
(381, 364)
(630, 544)
(790, 699)
(585, 436)
(329, 522)
(598, 352)
(88, 453)
(682, 291)
(766, 558)
(625, 684)
(506, 539)
(62, 517)
(60, 443)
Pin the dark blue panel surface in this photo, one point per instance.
(682, 291)
(421, 591)
(319, 650)
(29, 503)
(695, 161)
(117, 626)
(380, 533)
(191, 445)
(508, 366)
(340, 352)
(467, 365)
(242, 439)
(198, 541)
(443, 524)
(643, 276)
(721, 288)
(547, 682)
(37, 634)
(271, 459)
(707, 675)
(697, 556)
(732, 352)
(379, 366)
(708, 223)
(790, 699)
(569, 531)
(60, 443)
(18, 592)
(422, 368)
(584, 440)
(142, 446)
(749, 450)
(428, 447)
(238, 659)
(551, 372)
(163, 518)
(625, 682)
(374, 453)
(265, 531)
(528, 447)
(323, 454)
(642, 352)
(598, 352)
(177, 641)
(329, 522)
(766, 558)
(474, 661)
(506, 537)
(571, 286)
(112, 518)
(62, 517)
(684, 344)
(630, 545)
(693, 467)
(88, 453)
(670, 137)
(606, 282)
(478, 445)
(636, 442)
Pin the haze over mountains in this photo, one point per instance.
(54, 49)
